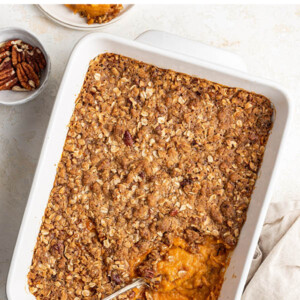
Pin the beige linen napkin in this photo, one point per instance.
(275, 269)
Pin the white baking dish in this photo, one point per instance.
(89, 47)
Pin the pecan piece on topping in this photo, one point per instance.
(230, 240)
(147, 273)
(142, 174)
(116, 277)
(57, 248)
(253, 137)
(127, 138)
(185, 182)
(173, 212)
(131, 295)
(158, 129)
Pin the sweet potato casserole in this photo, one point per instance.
(154, 181)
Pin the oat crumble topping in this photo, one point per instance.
(151, 156)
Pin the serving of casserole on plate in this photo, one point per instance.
(85, 16)
(155, 178)
(96, 13)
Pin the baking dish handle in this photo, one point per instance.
(174, 43)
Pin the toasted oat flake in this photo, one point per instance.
(97, 76)
(181, 100)
(161, 120)
(144, 121)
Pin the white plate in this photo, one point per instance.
(62, 15)
(88, 48)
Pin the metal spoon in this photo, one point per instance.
(126, 288)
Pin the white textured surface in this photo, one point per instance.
(268, 39)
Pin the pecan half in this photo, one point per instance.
(31, 75)
(32, 62)
(7, 73)
(21, 56)
(39, 58)
(17, 55)
(14, 56)
(36, 59)
(5, 64)
(7, 85)
(23, 77)
(27, 77)
(4, 55)
(8, 77)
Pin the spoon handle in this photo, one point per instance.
(126, 288)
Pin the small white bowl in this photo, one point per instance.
(13, 97)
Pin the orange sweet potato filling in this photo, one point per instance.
(93, 10)
(187, 275)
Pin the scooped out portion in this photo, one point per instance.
(180, 274)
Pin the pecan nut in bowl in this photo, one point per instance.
(8, 77)
(27, 76)
(21, 66)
